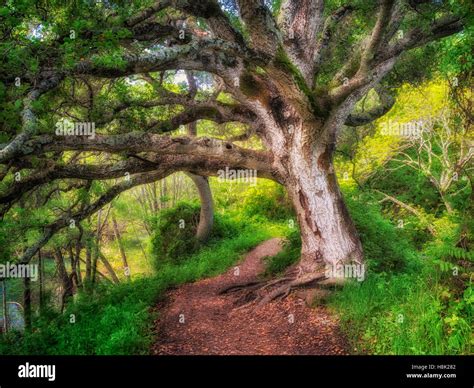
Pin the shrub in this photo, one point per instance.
(268, 200)
(384, 247)
(174, 238)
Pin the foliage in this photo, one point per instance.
(268, 200)
(174, 233)
(384, 246)
(394, 314)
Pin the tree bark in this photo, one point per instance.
(88, 263)
(72, 260)
(122, 250)
(41, 280)
(78, 263)
(4, 306)
(109, 268)
(65, 279)
(328, 234)
(206, 216)
(95, 256)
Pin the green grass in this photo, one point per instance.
(276, 265)
(405, 314)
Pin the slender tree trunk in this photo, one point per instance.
(78, 263)
(446, 203)
(88, 262)
(65, 279)
(95, 256)
(109, 268)
(100, 274)
(121, 248)
(27, 301)
(164, 203)
(41, 280)
(72, 260)
(4, 306)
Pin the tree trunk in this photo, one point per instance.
(66, 281)
(41, 280)
(328, 235)
(27, 301)
(126, 268)
(95, 256)
(206, 216)
(78, 263)
(109, 268)
(72, 260)
(88, 263)
(4, 306)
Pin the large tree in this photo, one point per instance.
(291, 73)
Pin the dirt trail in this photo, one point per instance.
(195, 319)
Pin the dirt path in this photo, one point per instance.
(195, 319)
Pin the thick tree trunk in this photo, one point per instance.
(328, 235)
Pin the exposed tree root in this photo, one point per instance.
(240, 286)
(284, 290)
(280, 288)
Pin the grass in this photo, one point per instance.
(276, 265)
(405, 314)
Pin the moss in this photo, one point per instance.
(283, 62)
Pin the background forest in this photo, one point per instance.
(407, 180)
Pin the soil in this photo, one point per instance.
(195, 319)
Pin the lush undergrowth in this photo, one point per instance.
(405, 313)
(412, 301)
(118, 319)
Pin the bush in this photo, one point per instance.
(174, 238)
(384, 247)
(397, 315)
(268, 200)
